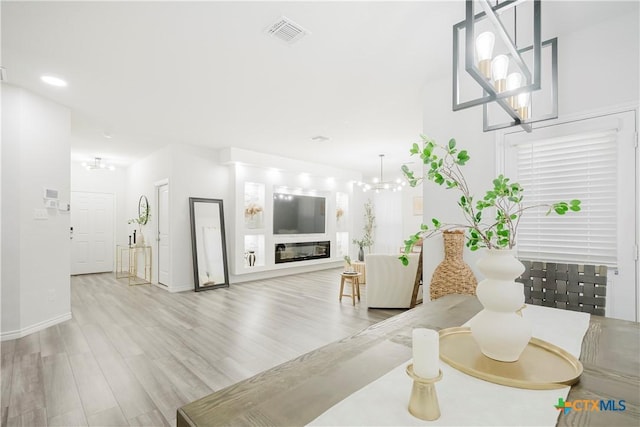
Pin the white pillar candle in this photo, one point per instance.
(426, 352)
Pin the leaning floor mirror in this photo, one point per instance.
(208, 243)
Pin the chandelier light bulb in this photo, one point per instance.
(484, 50)
(514, 81)
(523, 105)
(499, 70)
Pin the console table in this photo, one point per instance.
(138, 264)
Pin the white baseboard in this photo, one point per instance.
(12, 335)
(180, 288)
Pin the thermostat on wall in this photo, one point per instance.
(51, 204)
(50, 193)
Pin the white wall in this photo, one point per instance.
(35, 261)
(395, 220)
(410, 221)
(597, 67)
(140, 180)
(10, 171)
(195, 173)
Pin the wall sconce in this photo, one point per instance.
(508, 79)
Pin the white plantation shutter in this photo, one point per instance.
(577, 166)
(591, 158)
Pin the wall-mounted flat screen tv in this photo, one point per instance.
(295, 214)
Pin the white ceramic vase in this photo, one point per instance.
(140, 240)
(501, 333)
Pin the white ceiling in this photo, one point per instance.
(205, 73)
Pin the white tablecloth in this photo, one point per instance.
(465, 400)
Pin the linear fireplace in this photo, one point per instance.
(302, 251)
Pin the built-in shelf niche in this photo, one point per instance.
(254, 244)
(342, 210)
(254, 205)
(342, 243)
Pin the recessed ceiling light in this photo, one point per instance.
(53, 81)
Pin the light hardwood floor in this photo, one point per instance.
(133, 355)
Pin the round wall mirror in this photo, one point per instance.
(143, 210)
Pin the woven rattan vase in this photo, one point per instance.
(453, 275)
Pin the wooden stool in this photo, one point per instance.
(354, 278)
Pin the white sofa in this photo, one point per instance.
(389, 283)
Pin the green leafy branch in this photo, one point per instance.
(369, 226)
(143, 218)
(444, 163)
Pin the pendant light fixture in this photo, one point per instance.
(506, 75)
(97, 164)
(379, 184)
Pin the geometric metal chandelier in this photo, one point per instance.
(506, 79)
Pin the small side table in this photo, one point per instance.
(360, 268)
(354, 278)
(133, 254)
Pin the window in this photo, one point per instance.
(593, 160)
(577, 166)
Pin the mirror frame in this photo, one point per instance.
(194, 247)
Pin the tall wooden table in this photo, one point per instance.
(298, 391)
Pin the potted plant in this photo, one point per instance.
(366, 241)
(347, 261)
(492, 223)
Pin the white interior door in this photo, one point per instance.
(163, 235)
(92, 232)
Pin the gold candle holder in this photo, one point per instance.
(423, 402)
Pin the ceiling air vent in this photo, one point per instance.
(287, 30)
(320, 138)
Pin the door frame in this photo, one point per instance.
(157, 186)
(114, 213)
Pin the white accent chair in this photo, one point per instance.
(389, 283)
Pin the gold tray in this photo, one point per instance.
(542, 365)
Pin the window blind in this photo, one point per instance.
(578, 166)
